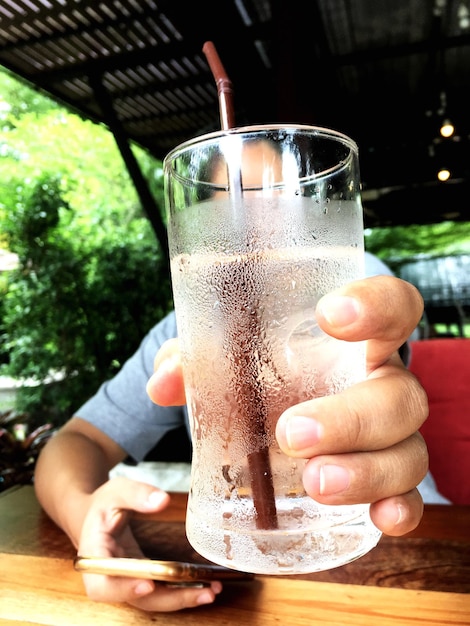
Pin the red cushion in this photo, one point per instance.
(443, 368)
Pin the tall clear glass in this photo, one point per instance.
(263, 221)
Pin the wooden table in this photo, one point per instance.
(422, 578)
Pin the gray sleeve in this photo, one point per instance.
(428, 490)
(121, 407)
(374, 266)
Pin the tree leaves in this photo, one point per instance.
(92, 280)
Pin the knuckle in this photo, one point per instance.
(421, 455)
(407, 400)
(417, 399)
(353, 431)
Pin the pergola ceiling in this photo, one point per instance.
(384, 71)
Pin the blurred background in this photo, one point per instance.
(92, 97)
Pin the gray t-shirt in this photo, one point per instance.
(122, 409)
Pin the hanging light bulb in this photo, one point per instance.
(463, 15)
(447, 128)
(443, 174)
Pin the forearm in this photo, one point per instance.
(70, 468)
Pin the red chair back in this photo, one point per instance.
(443, 368)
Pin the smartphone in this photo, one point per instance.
(174, 573)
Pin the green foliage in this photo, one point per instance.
(399, 244)
(18, 98)
(92, 279)
(72, 308)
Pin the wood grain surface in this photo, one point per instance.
(420, 579)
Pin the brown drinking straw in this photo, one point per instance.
(253, 407)
(224, 86)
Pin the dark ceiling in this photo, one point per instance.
(384, 71)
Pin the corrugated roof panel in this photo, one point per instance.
(373, 68)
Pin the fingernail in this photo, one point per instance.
(333, 479)
(302, 432)
(143, 588)
(167, 366)
(205, 597)
(339, 310)
(155, 499)
(400, 514)
(216, 587)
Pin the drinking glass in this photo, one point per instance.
(262, 222)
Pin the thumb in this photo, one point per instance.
(123, 494)
(166, 386)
